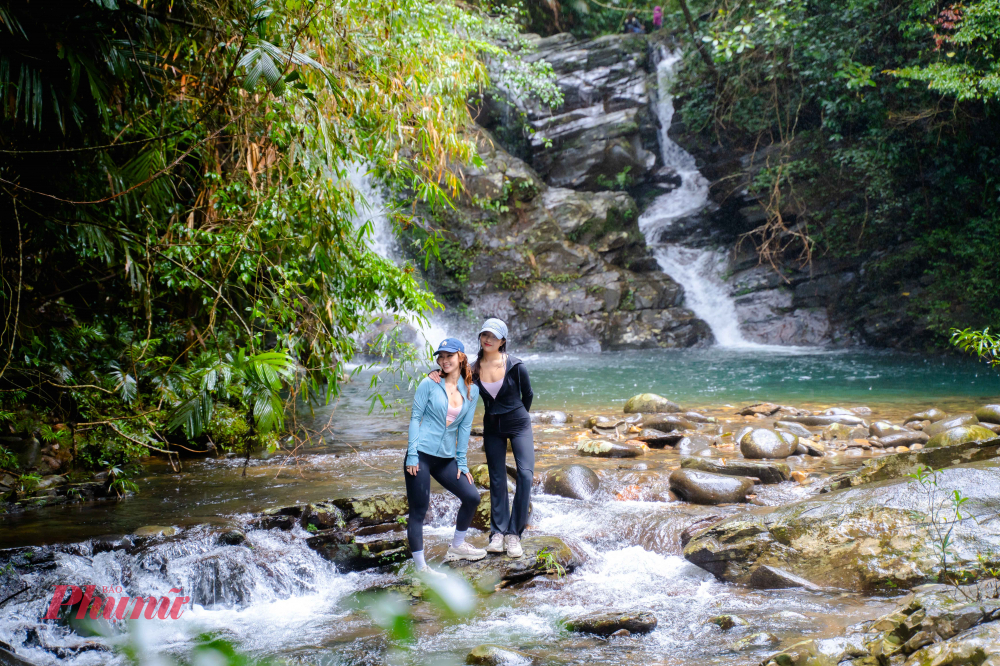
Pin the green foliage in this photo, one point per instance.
(178, 186)
(943, 514)
(983, 344)
(547, 562)
(968, 38)
(852, 160)
(622, 180)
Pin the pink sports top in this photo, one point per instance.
(492, 387)
(453, 413)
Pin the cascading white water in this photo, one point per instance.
(698, 270)
(371, 208)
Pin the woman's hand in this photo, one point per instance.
(435, 376)
(467, 475)
(412, 469)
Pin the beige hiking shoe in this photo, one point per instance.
(513, 545)
(496, 544)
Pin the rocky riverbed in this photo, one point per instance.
(762, 533)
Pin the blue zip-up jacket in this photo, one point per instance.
(428, 430)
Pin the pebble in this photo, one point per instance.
(902, 449)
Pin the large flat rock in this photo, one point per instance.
(866, 538)
(498, 570)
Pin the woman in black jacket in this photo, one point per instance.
(506, 392)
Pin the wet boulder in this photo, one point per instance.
(903, 439)
(808, 447)
(694, 444)
(232, 538)
(755, 641)
(481, 475)
(342, 549)
(572, 481)
(727, 622)
(494, 655)
(901, 465)
(280, 517)
(668, 423)
(865, 538)
(657, 439)
(767, 472)
(933, 414)
(552, 417)
(884, 429)
(837, 431)
(540, 553)
(765, 443)
(828, 419)
(373, 509)
(763, 408)
(989, 413)
(650, 403)
(605, 422)
(695, 417)
(606, 624)
(603, 448)
(699, 487)
(951, 422)
(961, 435)
(794, 428)
(323, 516)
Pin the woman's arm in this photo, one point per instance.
(526, 394)
(416, 416)
(464, 430)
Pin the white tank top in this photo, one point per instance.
(493, 387)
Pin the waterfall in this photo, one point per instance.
(698, 270)
(372, 207)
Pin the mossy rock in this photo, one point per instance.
(494, 655)
(989, 413)
(498, 570)
(866, 538)
(603, 448)
(767, 472)
(962, 434)
(950, 422)
(374, 509)
(571, 481)
(933, 414)
(650, 403)
(605, 624)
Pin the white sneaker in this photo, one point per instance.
(466, 551)
(496, 544)
(428, 573)
(513, 545)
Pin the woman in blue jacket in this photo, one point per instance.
(440, 423)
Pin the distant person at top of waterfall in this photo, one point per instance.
(632, 25)
(440, 423)
(505, 389)
(657, 17)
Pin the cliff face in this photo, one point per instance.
(552, 248)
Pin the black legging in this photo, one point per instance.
(418, 493)
(515, 426)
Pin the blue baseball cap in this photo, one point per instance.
(496, 327)
(450, 345)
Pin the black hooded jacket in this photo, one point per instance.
(514, 392)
